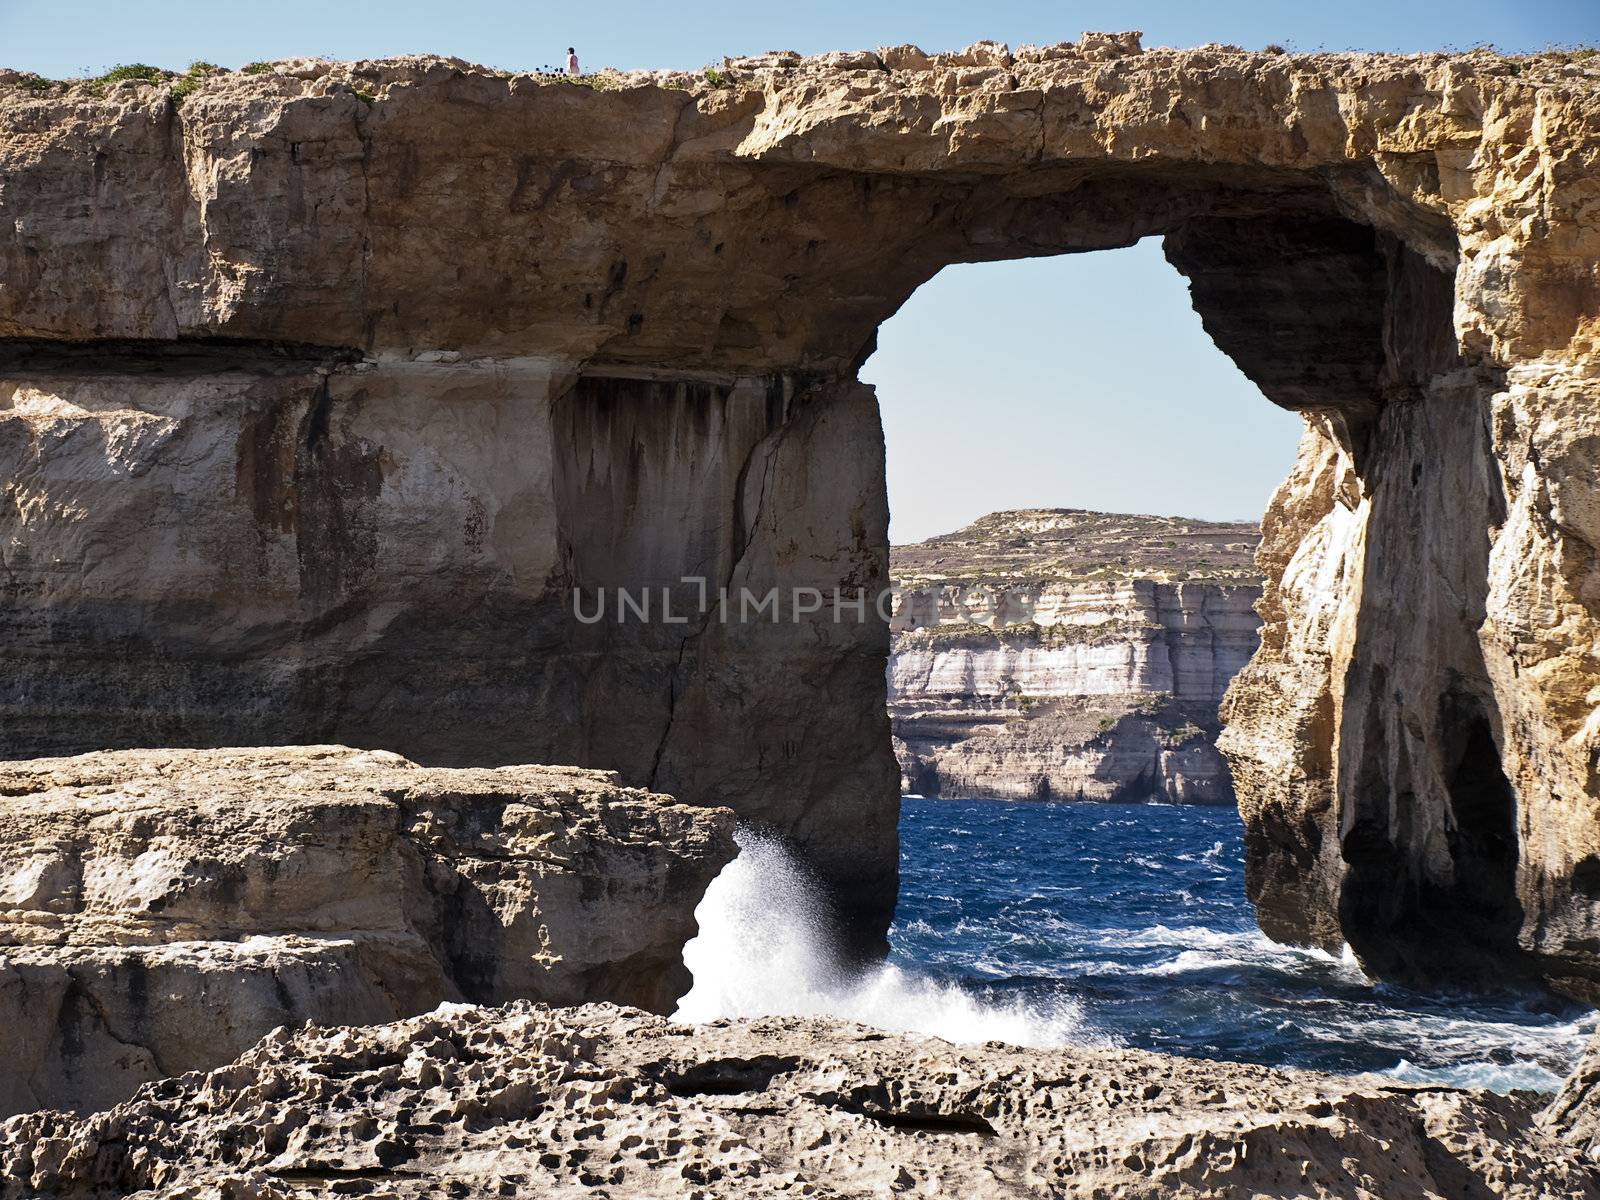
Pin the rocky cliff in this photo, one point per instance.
(325, 386)
(1061, 654)
(162, 910)
(530, 1102)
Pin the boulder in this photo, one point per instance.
(161, 910)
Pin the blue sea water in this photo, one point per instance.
(1131, 922)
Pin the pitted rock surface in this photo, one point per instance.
(609, 1102)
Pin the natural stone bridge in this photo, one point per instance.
(324, 388)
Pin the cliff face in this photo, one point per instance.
(162, 910)
(1069, 655)
(325, 387)
(219, 544)
(529, 1102)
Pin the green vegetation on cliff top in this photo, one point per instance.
(1041, 545)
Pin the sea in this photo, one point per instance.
(1049, 925)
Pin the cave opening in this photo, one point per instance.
(1027, 915)
(1015, 632)
(1076, 475)
(1079, 380)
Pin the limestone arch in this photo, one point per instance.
(377, 330)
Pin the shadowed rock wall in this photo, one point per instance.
(549, 318)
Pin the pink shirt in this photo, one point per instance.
(572, 64)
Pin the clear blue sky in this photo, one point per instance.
(1083, 381)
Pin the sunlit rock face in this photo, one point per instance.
(325, 387)
(1062, 654)
(161, 910)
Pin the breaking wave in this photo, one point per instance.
(764, 949)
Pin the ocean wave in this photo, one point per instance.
(763, 950)
(1201, 947)
(1493, 1077)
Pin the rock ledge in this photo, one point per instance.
(161, 910)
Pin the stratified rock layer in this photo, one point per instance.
(1061, 654)
(325, 387)
(526, 1101)
(161, 910)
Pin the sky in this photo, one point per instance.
(60, 38)
(1084, 381)
(1081, 381)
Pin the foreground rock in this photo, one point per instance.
(161, 910)
(1061, 654)
(529, 1101)
(324, 387)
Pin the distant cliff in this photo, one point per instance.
(1061, 654)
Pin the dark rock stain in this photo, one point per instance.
(305, 476)
(337, 480)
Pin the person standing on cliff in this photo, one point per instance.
(572, 61)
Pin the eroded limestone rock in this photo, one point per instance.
(528, 1101)
(1574, 1114)
(161, 910)
(451, 343)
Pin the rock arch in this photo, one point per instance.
(323, 390)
